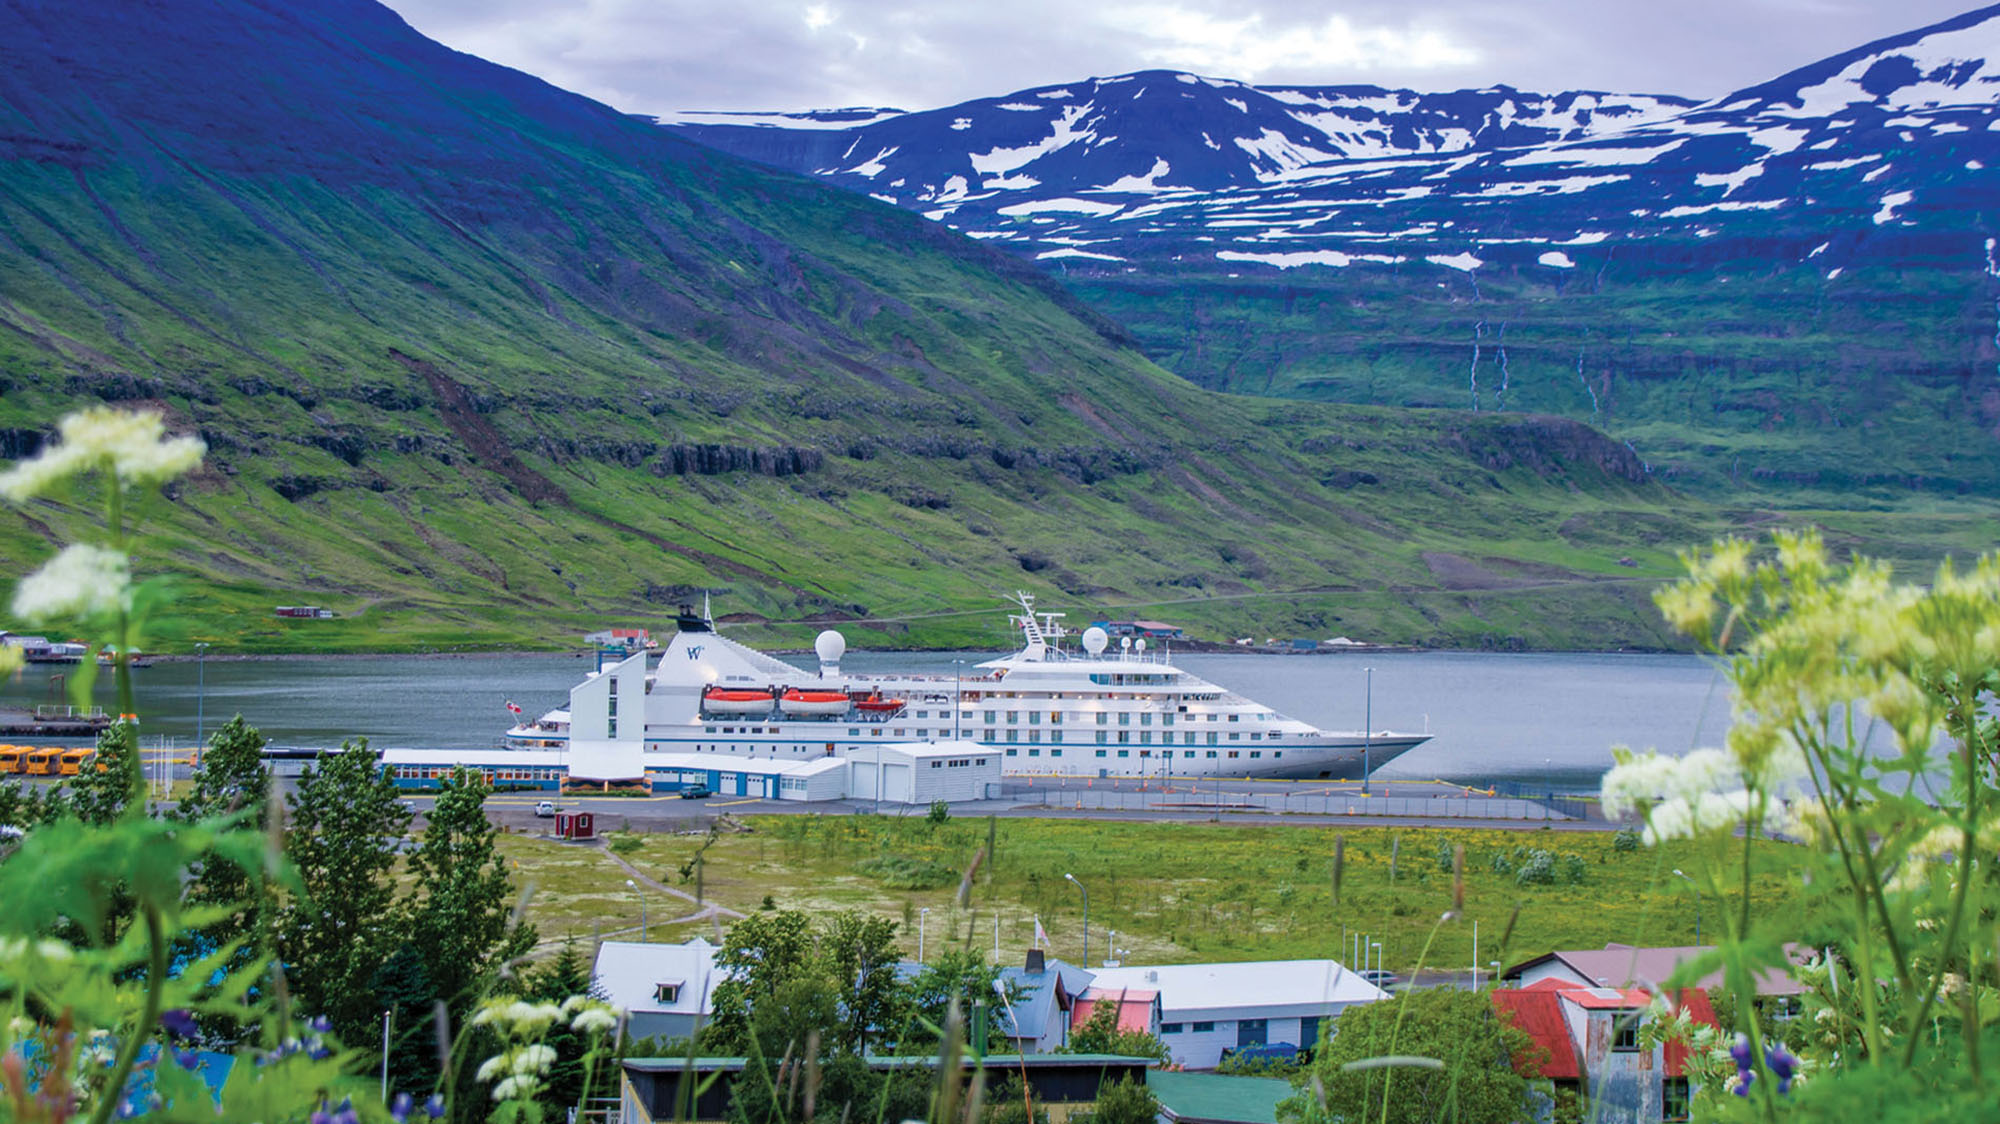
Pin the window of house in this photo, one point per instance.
(1203, 1028)
(1250, 1032)
(1674, 1099)
(1625, 1032)
(1170, 1028)
(668, 992)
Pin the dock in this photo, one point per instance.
(52, 722)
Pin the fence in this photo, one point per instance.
(1572, 805)
(1307, 804)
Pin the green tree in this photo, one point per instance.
(1124, 1102)
(1461, 1029)
(959, 974)
(459, 911)
(1100, 1034)
(561, 977)
(112, 781)
(346, 821)
(231, 778)
(861, 954)
(761, 954)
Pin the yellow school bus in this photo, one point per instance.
(74, 761)
(13, 758)
(44, 762)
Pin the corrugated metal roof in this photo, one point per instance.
(1135, 1007)
(1207, 1098)
(1256, 984)
(1538, 1012)
(1622, 965)
(628, 973)
(1607, 998)
(1702, 1012)
(1046, 996)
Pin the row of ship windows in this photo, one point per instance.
(1233, 753)
(1034, 718)
(1103, 736)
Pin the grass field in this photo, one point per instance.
(1170, 892)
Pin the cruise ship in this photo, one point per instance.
(1094, 711)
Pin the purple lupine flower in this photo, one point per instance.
(320, 1024)
(434, 1108)
(1783, 1065)
(401, 1107)
(187, 1060)
(318, 1051)
(179, 1023)
(320, 1116)
(1740, 1052)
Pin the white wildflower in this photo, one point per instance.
(1669, 819)
(531, 1017)
(492, 1067)
(577, 1003)
(1951, 984)
(131, 444)
(594, 1020)
(82, 581)
(516, 1088)
(529, 1060)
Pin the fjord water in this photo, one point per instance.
(1544, 718)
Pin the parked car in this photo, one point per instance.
(1382, 978)
(546, 809)
(696, 792)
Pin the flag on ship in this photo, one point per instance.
(1041, 934)
(512, 708)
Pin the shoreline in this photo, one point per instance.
(1197, 648)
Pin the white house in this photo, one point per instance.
(1048, 990)
(664, 990)
(1208, 1008)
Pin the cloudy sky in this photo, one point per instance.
(658, 56)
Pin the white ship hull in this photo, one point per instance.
(1049, 712)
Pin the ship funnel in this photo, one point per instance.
(830, 646)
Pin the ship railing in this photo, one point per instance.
(54, 711)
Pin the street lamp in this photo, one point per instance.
(642, 909)
(1377, 946)
(1086, 917)
(1697, 906)
(200, 689)
(1367, 727)
(921, 914)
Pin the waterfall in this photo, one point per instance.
(1478, 333)
(1500, 396)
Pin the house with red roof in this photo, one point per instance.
(1586, 1040)
(1137, 1009)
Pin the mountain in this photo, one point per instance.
(1787, 290)
(482, 362)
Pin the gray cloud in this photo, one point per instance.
(656, 56)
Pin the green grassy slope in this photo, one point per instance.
(1737, 379)
(481, 364)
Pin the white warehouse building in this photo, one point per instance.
(920, 772)
(1209, 1008)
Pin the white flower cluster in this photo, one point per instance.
(131, 444)
(1699, 794)
(517, 1016)
(82, 582)
(519, 1070)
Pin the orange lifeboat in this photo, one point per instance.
(820, 704)
(721, 700)
(876, 704)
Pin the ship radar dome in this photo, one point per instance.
(830, 646)
(1094, 640)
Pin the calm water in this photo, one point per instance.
(1531, 718)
